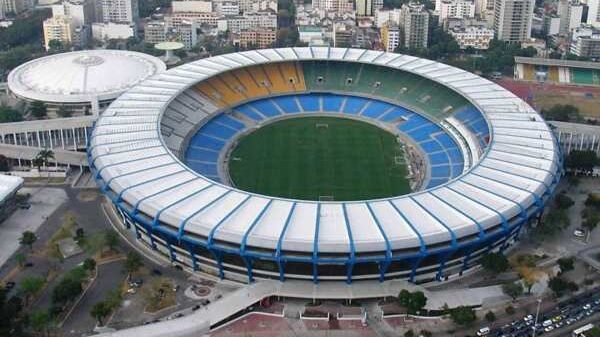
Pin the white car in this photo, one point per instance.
(579, 233)
(483, 331)
(528, 318)
(547, 323)
(549, 328)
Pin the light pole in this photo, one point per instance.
(537, 313)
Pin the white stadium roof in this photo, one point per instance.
(519, 165)
(76, 77)
(9, 185)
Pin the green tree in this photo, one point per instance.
(100, 311)
(69, 287)
(413, 302)
(10, 315)
(43, 158)
(133, 263)
(111, 239)
(490, 316)
(565, 264)
(38, 109)
(594, 332)
(21, 259)
(591, 221)
(409, 333)
(514, 289)
(426, 333)
(9, 115)
(31, 285)
(40, 321)
(495, 262)
(560, 286)
(89, 264)
(581, 160)
(563, 201)
(28, 238)
(56, 46)
(564, 113)
(554, 221)
(463, 315)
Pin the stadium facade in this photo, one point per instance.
(491, 164)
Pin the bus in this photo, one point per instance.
(579, 332)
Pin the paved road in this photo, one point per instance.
(110, 277)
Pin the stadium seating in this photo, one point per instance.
(445, 158)
(473, 120)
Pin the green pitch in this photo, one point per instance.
(320, 158)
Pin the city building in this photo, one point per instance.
(81, 12)
(593, 15)
(455, 9)
(513, 19)
(257, 38)
(478, 37)
(414, 23)
(14, 7)
(194, 6)
(119, 11)
(237, 23)
(58, 28)
(382, 16)
(390, 37)
(364, 7)
(155, 31)
(570, 13)
(585, 42)
(227, 8)
(552, 24)
(111, 30)
(201, 18)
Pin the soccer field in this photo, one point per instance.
(320, 158)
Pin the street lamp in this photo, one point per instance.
(537, 313)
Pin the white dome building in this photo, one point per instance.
(86, 81)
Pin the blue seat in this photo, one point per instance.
(309, 103)
(431, 146)
(354, 105)
(457, 170)
(206, 169)
(376, 109)
(436, 182)
(395, 113)
(217, 130)
(424, 132)
(440, 171)
(193, 154)
(204, 141)
(249, 112)
(229, 121)
(287, 104)
(445, 140)
(455, 155)
(438, 158)
(332, 103)
(415, 121)
(265, 107)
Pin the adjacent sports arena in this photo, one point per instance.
(456, 165)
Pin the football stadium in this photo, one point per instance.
(324, 164)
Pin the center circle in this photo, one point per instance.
(321, 159)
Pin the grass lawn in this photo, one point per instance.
(312, 157)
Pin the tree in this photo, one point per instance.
(68, 288)
(564, 113)
(56, 46)
(409, 333)
(21, 259)
(27, 239)
(89, 264)
(111, 239)
(490, 316)
(10, 315)
(463, 315)
(43, 158)
(413, 302)
(495, 262)
(554, 221)
(563, 201)
(426, 333)
(510, 310)
(581, 160)
(31, 285)
(39, 321)
(99, 311)
(132, 264)
(591, 221)
(560, 286)
(565, 264)
(514, 289)
(9, 115)
(38, 109)
(594, 332)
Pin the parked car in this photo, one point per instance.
(483, 331)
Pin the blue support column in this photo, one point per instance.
(351, 260)
(385, 264)
(247, 259)
(315, 254)
(278, 257)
